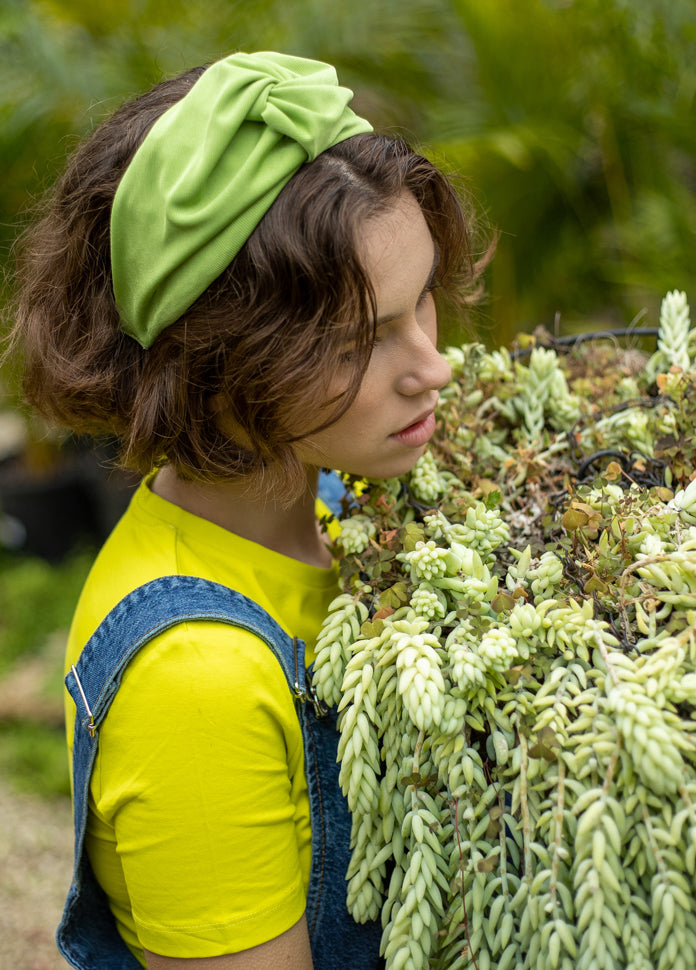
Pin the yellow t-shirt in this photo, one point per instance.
(199, 825)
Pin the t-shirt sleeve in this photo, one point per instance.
(201, 775)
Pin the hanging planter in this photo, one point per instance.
(514, 659)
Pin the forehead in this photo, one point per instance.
(398, 253)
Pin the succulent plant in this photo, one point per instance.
(514, 662)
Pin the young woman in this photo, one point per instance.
(235, 278)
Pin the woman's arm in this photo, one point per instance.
(289, 951)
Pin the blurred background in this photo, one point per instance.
(570, 121)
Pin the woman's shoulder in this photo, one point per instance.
(223, 672)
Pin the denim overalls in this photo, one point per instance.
(87, 936)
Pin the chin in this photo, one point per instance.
(391, 469)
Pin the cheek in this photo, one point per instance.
(348, 374)
(368, 377)
(358, 424)
(372, 393)
(355, 422)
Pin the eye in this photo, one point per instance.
(429, 287)
(348, 355)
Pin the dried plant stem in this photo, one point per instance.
(632, 567)
(503, 847)
(654, 847)
(524, 808)
(465, 918)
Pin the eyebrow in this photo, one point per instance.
(387, 318)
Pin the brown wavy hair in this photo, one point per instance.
(260, 346)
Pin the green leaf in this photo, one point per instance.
(372, 628)
(414, 533)
(574, 519)
(488, 864)
(503, 601)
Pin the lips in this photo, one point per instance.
(423, 417)
(418, 433)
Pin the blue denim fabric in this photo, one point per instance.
(87, 936)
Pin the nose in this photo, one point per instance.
(425, 369)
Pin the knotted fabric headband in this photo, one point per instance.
(207, 172)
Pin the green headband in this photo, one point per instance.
(208, 171)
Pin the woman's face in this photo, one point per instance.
(388, 425)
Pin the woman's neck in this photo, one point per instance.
(292, 531)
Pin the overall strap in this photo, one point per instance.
(150, 610)
(93, 682)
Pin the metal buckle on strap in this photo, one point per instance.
(91, 727)
(303, 694)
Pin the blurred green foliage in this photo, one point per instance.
(37, 602)
(583, 141)
(33, 757)
(572, 120)
(38, 598)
